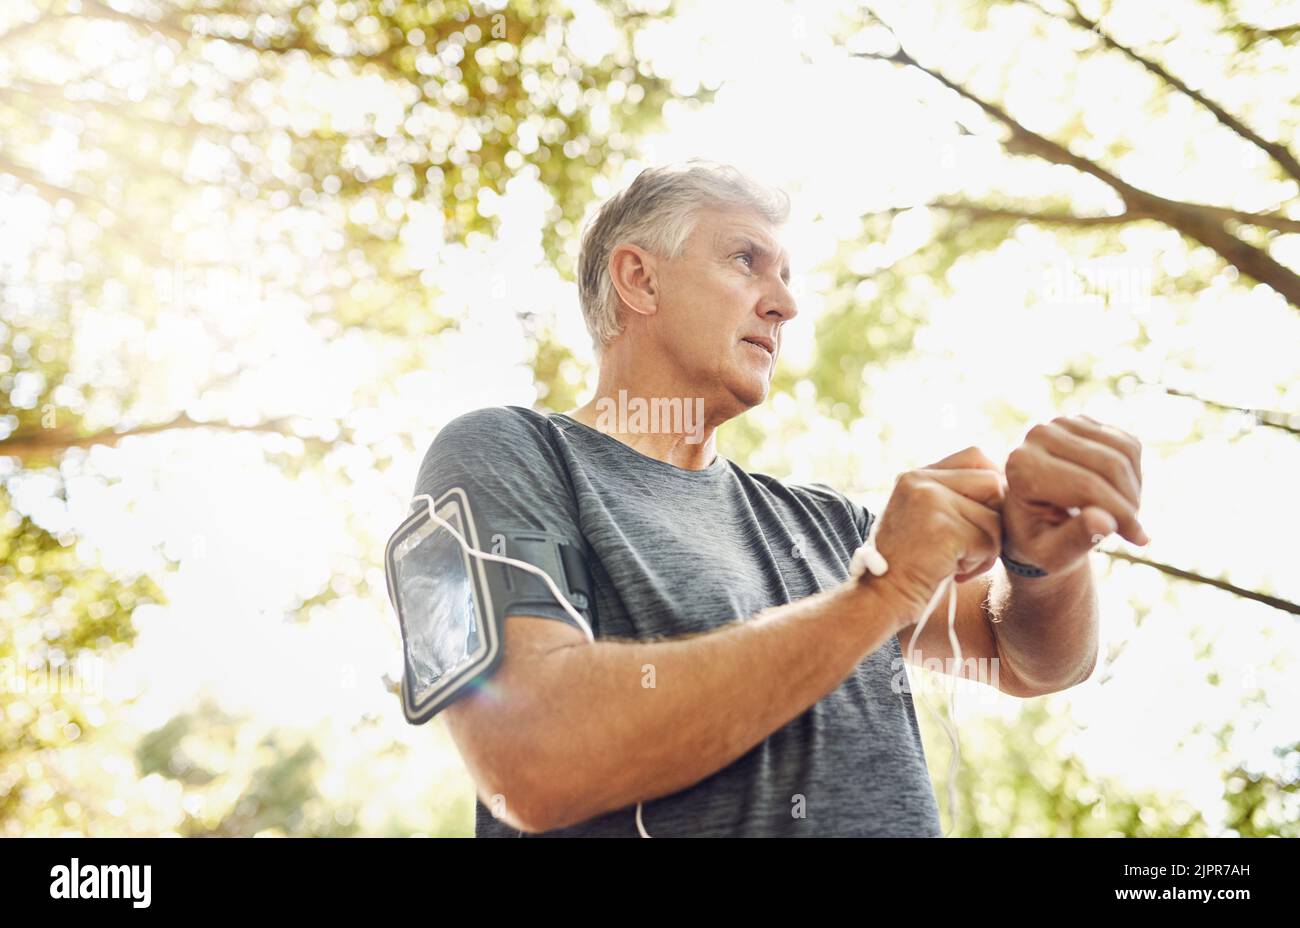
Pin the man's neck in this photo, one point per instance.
(661, 422)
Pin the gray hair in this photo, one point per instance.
(658, 212)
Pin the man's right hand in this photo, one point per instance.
(940, 520)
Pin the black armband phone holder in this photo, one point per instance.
(452, 606)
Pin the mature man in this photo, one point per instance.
(740, 683)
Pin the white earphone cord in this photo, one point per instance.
(951, 585)
(536, 571)
(868, 558)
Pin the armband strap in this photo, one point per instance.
(577, 574)
(1022, 570)
(451, 606)
(564, 563)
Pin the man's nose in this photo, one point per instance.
(780, 302)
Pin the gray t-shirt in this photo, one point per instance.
(676, 552)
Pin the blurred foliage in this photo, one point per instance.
(1262, 806)
(1021, 782)
(457, 101)
(872, 315)
(276, 794)
(202, 107)
(200, 110)
(61, 619)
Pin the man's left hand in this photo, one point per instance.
(1071, 483)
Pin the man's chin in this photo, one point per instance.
(750, 392)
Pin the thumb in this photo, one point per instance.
(1095, 524)
(1063, 544)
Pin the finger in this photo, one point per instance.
(1087, 451)
(1120, 440)
(1040, 476)
(982, 568)
(1064, 543)
(982, 486)
(981, 528)
(967, 458)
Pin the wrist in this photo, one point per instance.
(1018, 567)
(878, 598)
(1054, 580)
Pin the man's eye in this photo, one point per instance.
(749, 258)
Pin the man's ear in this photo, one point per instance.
(633, 271)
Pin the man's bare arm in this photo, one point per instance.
(974, 635)
(567, 729)
(1049, 630)
(1046, 636)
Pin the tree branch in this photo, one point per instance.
(1273, 221)
(1050, 217)
(1266, 417)
(1275, 150)
(980, 211)
(83, 202)
(95, 9)
(1192, 220)
(1025, 140)
(1248, 35)
(24, 445)
(1275, 602)
(54, 191)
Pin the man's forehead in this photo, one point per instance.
(730, 227)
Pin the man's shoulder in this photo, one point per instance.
(492, 442)
(814, 491)
(495, 450)
(818, 496)
(496, 420)
(493, 429)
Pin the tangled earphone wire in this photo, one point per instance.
(869, 559)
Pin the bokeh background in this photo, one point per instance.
(255, 253)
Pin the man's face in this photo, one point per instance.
(722, 306)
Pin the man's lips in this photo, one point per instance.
(762, 342)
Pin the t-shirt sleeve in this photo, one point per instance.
(859, 516)
(512, 480)
(862, 519)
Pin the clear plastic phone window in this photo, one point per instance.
(436, 605)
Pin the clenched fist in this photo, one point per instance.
(1073, 463)
(940, 520)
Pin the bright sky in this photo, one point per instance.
(843, 137)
